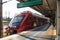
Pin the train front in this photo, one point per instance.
(14, 25)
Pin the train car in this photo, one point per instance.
(25, 21)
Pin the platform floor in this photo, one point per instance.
(44, 32)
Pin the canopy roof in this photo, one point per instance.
(48, 8)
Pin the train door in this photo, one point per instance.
(35, 22)
(29, 22)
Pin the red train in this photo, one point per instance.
(25, 21)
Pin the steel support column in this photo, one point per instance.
(1, 19)
(58, 20)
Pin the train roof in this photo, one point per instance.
(41, 16)
(34, 14)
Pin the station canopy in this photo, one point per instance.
(48, 7)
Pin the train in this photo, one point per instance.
(25, 21)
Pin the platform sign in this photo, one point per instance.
(28, 3)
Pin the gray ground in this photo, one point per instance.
(34, 34)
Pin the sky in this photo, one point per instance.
(10, 9)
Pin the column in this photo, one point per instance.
(58, 20)
(1, 18)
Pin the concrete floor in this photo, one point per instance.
(34, 34)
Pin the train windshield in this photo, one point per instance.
(16, 21)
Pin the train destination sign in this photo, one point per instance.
(28, 3)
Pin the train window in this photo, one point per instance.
(16, 21)
(30, 17)
(35, 24)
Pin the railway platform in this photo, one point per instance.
(44, 32)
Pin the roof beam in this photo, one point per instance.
(48, 4)
(36, 8)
